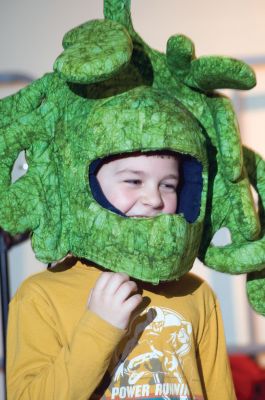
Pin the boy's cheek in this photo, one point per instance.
(122, 199)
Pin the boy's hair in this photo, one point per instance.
(158, 153)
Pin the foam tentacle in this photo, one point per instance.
(256, 291)
(238, 258)
(180, 53)
(244, 256)
(19, 209)
(232, 170)
(119, 11)
(218, 72)
(23, 102)
(94, 52)
(255, 284)
(228, 137)
(243, 208)
(256, 171)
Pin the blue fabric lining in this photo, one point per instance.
(96, 188)
(190, 188)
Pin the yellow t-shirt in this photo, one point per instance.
(58, 349)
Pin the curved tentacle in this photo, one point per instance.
(256, 290)
(256, 280)
(255, 166)
(119, 11)
(231, 201)
(94, 52)
(228, 137)
(16, 214)
(23, 102)
(238, 258)
(180, 53)
(232, 171)
(20, 203)
(209, 72)
(218, 72)
(243, 208)
(244, 256)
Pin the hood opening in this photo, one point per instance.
(189, 188)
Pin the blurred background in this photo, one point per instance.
(31, 32)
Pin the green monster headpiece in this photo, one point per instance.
(110, 93)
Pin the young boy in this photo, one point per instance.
(77, 332)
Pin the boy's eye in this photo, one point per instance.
(133, 181)
(169, 186)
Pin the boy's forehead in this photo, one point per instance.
(138, 161)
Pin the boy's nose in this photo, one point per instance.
(152, 197)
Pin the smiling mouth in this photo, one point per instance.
(143, 216)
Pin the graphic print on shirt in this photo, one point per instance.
(151, 362)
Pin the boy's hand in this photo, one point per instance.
(114, 298)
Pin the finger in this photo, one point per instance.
(116, 280)
(125, 290)
(132, 303)
(102, 281)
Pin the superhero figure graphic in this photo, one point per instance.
(154, 355)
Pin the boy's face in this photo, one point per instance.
(141, 185)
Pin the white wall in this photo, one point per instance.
(31, 32)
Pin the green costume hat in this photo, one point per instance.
(110, 93)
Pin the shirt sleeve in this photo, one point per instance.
(213, 361)
(40, 365)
